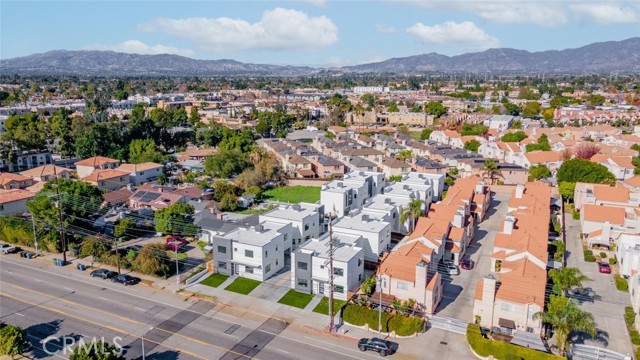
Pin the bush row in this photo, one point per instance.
(501, 350)
(402, 325)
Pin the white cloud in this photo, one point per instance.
(463, 36)
(384, 29)
(320, 3)
(278, 29)
(609, 13)
(138, 47)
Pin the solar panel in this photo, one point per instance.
(149, 196)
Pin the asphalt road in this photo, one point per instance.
(50, 303)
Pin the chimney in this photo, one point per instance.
(519, 191)
(509, 222)
(480, 187)
(458, 218)
(606, 231)
(488, 300)
(219, 216)
(387, 200)
(259, 228)
(365, 217)
(422, 275)
(296, 207)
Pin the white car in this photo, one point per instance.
(7, 249)
(453, 270)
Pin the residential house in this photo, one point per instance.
(85, 167)
(254, 252)
(14, 201)
(356, 163)
(394, 167)
(551, 159)
(409, 272)
(428, 166)
(10, 181)
(27, 160)
(310, 265)
(107, 180)
(327, 167)
(628, 254)
(620, 166)
(48, 172)
(376, 232)
(142, 173)
(307, 221)
(341, 196)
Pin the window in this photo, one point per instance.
(306, 227)
(401, 285)
(141, 172)
(359, 262)
(307, 237)
(302, 265)
(267, 269)
(286, 237)
(321, 266)
(248, 253)
(338, 272)
(338, 289)
(266, 253)
(248, 269)
(505, 307)
(222, 265)
(359, 277)
(222, 249)
(302, 282)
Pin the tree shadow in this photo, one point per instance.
(601, 337)
(38, 332)
(164, 355)
(584, 295)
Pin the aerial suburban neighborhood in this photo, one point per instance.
(483, 204)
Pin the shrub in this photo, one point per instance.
(603, 255)
(576, 215)
(590, 258)
(613, 261)
(635, 337)
(502, 350)
(402, 325)
(588, 252)
(629, 316)
(621, 284)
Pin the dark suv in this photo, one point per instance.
(103, 274)
(375, 344)
(126, 280)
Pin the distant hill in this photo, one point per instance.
(110, 63)
(597, 57)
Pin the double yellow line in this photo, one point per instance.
(197, 341)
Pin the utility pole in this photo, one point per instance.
(64, 243)
(35, 238)
(331, 325)
(380, 307)
(175, 246)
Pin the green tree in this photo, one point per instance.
(516, 125)
(490, 168)
(531, 109)
(566, 317)
(221, 188)
(541, 145)
(424, 134)
(98, 350)
(478, 129)
(150, 259)
(393, 108)
(60, 130)
(123, 226)
(171, 220)
(514, 136)
(144, 150)
(229, 202)
(411, 213)
(538, 172)
(580, 170)
(226, 163)
(94, 247)
(565, 279)
(472, 145)
(557, 102)
(435, 108)
(595, 99)
(566, 189)
(404, 155)
(13, 340)
(25, 132)
(194, 117)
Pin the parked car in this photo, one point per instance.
(125, 279)
(467, 264)
(8, 249)
(174, 239)
(604, 268)
(103, 274)
(453, 270)
(375, 344)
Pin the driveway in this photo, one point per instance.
(459, 291)
(602, 299)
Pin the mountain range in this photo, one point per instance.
(599, 57)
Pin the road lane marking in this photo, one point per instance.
(95, 323)
(17, 313)
(283, 351)
(200, 342)
(141, 309)
(68, 288)
(103, 298)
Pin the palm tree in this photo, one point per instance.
(565, 316)
(411, 212)
(566, 278)
(491, 168)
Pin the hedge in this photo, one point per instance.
(588, 256)
(502, 350)
(630, 319)
(613, 261)
(402, 325)
(621, 283)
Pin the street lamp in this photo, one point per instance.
(383, 283)
(143, 355)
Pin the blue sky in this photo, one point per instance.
(311, 32)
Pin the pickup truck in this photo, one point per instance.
(7, 249)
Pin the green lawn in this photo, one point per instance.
(415, 135)
(502, 350)
(251, 211)
(296, 299)
(243, 285)
(214, 280)
(323, 306)
(294, 194)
